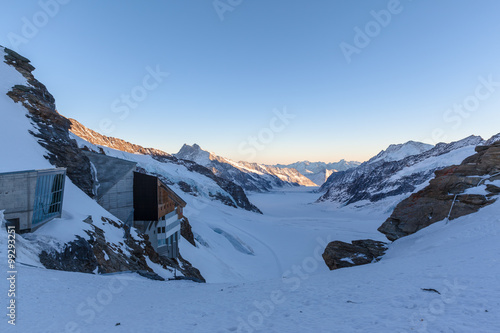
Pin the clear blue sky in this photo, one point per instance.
(227, 76)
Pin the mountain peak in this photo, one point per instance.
(493, 139)
(194, 146)
(194, 153)
(396, 152)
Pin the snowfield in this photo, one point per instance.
(290, 229)
(458, 264)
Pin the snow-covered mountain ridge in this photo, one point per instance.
(397, 152)
(250, 176)
(382, 176)
(102, 140)
(455, 191)
(318, 172)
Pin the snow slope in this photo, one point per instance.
(459, 260)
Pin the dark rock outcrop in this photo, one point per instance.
(77, 256)
(360, 252)
(235, 191)
(187, 231)
(434, 203)
(190, 272)
(97, 252)
(52, 128)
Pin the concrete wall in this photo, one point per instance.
(17, 196)
(119, 200)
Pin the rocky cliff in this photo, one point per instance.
(455, 191)
(52, 128)
(111, 142)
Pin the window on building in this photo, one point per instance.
(159, 230)
(163, 229)
(48, 197)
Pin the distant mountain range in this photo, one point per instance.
(318, 172)
(250, 176)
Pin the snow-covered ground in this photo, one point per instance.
(236, 245)
(460, 260)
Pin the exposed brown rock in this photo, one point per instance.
(433, 203)
(361, 252)
(111, 142)
(186, 231)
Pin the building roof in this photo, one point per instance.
(110, 170)
(52, 170)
